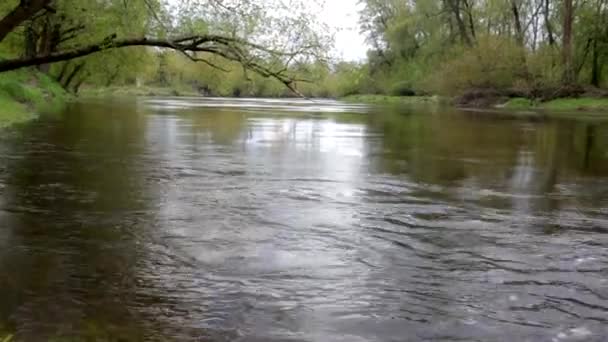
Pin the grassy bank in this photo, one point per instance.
(24, 93)
(392, 100)
(567, 104)
(131, 91)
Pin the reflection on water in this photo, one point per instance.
(266, 220)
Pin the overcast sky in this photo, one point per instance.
(343, 15)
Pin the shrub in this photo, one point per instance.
(493, 63)
(402, 88)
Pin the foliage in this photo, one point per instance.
(491, 63)
(446, 47)
(451, 46)
(22, 93)
(520, 103)
(267, 37)
(560, 105)
(393, 100)
(588, 104)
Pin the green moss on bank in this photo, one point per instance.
(567, 104)
(24, 93)
(393, 100)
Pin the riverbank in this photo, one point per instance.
(394, 100)
(130, 91)
(565, 104)
(518, 103)
(24, 93)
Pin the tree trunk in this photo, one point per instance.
(600, 30)
(519, 34)
(454, 6)
(71, 76)
(550, 36)
(569, 76)
(520, 38)
(469, 8)
(24, 11)
(30, 41)
(62, 72)
(44, 48)
(596, 69)
(49, 40)
(535, 30)
(78, 84)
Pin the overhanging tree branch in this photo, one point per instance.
(250, 55)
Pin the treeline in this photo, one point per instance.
(533, 48)
(50, 27)
(102, 43)
(520, 48)
(526, 48)
(172, 70)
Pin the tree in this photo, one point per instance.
(525, 47)
(62, 30)
(26, 9)
(569, 73)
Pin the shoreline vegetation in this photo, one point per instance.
(571, 104)
(582, 104)
(25, 93)
(589, 101)
(579, 104)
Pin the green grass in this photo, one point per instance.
(24, 93)
(559, 105)
(563, 105)
(393, 100)
(520, 103)
(583, 104)
(12, 112)
(131, 91)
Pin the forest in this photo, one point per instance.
(469, 49)
(527, 48)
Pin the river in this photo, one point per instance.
(187, 219)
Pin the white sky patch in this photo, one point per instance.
(343, 16)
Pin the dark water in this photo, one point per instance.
(184, 219)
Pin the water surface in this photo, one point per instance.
(270, 220)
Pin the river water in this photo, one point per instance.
(185, 219)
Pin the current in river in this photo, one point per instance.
(192, 219)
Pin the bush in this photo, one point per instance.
(545, 67)
(493, 63)
(403, 88)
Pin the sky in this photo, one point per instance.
(343, 15)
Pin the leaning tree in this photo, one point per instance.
(264, 36)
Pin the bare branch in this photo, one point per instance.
(205, 61)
